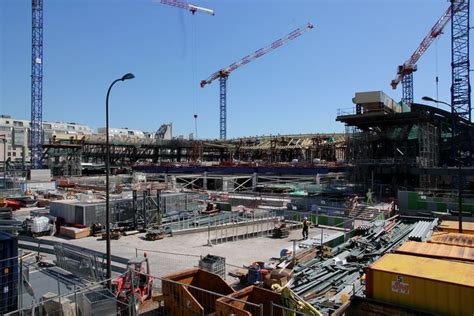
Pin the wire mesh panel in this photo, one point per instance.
(168, 262)
(213, 264)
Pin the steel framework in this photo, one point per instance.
(223, 106)
(405, 71)
(407, 88)
(461, 86)
(36, 84)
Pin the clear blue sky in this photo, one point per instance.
(355, 46)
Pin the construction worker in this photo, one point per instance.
(305, 228)
(370, 199)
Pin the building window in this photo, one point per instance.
(17, 123)
(7, 122)
(47, 126)
(70, 128)
(9, 154)
(14, 154)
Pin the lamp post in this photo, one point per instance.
(196, 125)
(107, 173)
(429, 99)
(457, 157)
(4, 139)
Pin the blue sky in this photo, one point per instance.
(355, 46)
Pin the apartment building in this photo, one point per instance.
(16, 133)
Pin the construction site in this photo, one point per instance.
(376, 218)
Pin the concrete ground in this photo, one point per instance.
(175, 253)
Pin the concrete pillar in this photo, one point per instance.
(204, 180)
(227, 184)
(172, 181)
(254, 181)
(318, 178)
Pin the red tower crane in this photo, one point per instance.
(405, 71)
(223, 73)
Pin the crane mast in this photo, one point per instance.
(224, 73)
(36, 130)
(405, 71)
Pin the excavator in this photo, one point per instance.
(135, 286)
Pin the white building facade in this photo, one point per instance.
(16, 132)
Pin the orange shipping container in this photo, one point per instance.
(438, 286)
(438, 251)
(453, 227)
(457, 239)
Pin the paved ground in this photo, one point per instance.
(189, 247)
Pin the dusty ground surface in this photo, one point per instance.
(182, 251)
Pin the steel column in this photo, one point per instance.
(36, 130)
(223, 106)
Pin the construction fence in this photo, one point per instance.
(58, 294)
(170, 298)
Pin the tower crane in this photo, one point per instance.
(36, 130)
(405, 71)
(460, 62)
(224, 73)
(183, 5)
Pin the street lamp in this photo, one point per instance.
(196, 125)
(429, 99)
(107, 173)
(457, 158)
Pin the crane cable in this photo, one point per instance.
(436, 69)
(193, 70)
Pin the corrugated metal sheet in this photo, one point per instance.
(427, 268)
(439, 286)
(453, 227)
(452, 239)
(437, 251)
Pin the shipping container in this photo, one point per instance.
(453, 227)
(452, 239)
(433, 285)
(376, 101)
(438, 251)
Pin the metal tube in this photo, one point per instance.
(460, 195)
(107, 197)
(21, 287)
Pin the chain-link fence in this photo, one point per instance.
(166, 262)
(132, 293)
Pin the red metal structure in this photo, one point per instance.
(222, 74)
(405, 71)
(136, 284)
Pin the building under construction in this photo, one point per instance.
(72, 154)
(394, 145)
